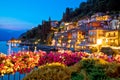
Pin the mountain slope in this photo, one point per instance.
(8, 34)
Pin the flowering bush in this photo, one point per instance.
(25, 61)
(6, 66)
(65, 58)
(117, 58)
(22, 62)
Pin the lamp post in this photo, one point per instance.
(99, 42)
(35, 48)
(9, 48)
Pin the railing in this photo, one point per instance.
(16, 76)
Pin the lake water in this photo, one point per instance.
(4, 47)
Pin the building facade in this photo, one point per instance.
(112, 38)
(94, 35)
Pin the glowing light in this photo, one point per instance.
(99, 41)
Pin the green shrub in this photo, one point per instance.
(90, 69)
(53, 71)
(86, 69)
(113, 70)
(107, 50)
(96, 69)
(77, 76)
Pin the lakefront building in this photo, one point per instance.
(70, 36)
(98, 30)
(112, 38)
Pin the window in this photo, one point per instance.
(108, 34)
(91, 33)
(114, 34)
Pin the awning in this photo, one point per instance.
(115, 47)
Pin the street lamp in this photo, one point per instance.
(99, 42)
(35, 48)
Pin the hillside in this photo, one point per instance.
(6, 34)
(43, 33)
(90, 7)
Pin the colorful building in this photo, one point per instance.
(97, 33)
(94, 35)
(70, 36)
(112, 38)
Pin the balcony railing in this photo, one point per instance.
(16, 76)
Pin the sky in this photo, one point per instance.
(26, 14)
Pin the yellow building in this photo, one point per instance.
(112, 38)
(102, 38)
(94, 35)
(80, 38)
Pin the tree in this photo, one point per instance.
(66, 15)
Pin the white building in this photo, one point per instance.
(114, 23)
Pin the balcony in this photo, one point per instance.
(112, 37)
